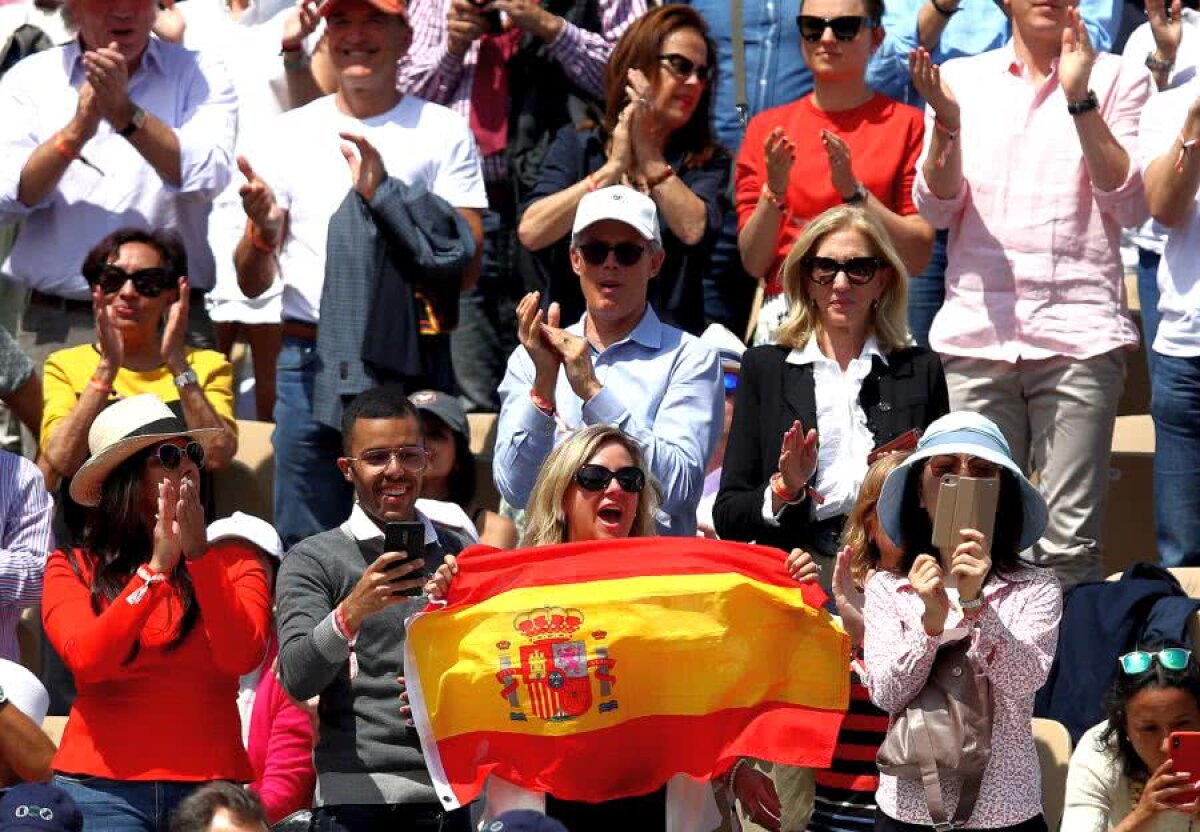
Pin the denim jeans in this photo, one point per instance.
(400, 817)
(125, 805)
(927, 291)
(1147, 285)
(1175, 406)
(311, 496)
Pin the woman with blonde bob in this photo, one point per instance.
(842, 369)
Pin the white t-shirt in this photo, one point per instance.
(420, 143)
(1179, 271)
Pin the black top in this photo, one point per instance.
(907, 392)
(676, 293)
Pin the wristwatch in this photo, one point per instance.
(973, 604)
(859, 196)
(1078, 108)
(185, 378)
(1155, 65)
(136, 121)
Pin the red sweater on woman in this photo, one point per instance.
(167, 714)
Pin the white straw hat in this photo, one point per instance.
(120, 431)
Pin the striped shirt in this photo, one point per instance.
(26, 511)
(844, 799)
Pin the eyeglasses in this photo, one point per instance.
(845, 28)
(945, 464)
(1139, 661)
(731, 381)
(149, 283)
(597, 478)
(859, 270)
(412, 458)
(171, 456)
(597, 253)
(684, 68)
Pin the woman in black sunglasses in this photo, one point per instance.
(140, 295)
(656, 136)
(842, 143)
(155, 627)
(1121, 776)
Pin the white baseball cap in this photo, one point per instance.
(24, 690)
(247, 527)
(620, 203)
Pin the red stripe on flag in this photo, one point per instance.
(639, 756)
(494, 571)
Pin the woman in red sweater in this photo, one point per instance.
(155, 625)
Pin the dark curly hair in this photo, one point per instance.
(167, 243)
(1125, 687)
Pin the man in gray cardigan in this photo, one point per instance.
(341, 612)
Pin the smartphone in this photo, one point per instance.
(494, 24)
(1185, 754)
(904, 442)
(406, 536)
(964, 503)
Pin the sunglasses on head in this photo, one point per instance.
(1139, 661)
(627, 254)
(597, 478)
(845, 28)
(149, 283)
(171, 456)
(684, 68)
(824, 270)
(412, 458)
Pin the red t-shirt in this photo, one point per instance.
(884, 137)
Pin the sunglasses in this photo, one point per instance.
(859, 270)
(1139, 661)
(684, 68)
(731, 381)
(627, 254)
(171, 456)
(412, 458)
(941, 466)
(597, 478)
(845, 28)
(149, 283)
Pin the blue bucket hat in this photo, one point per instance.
(963, 432)
(524, 820)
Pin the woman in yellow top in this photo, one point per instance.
(140, 296)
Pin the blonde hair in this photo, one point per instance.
(864, 553)
(890, 320)
(545, 517)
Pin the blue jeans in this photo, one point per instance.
(927, 291)
(125, 805)
(1147, 283)
(311, 496)
(1175, 405)
(400, 817)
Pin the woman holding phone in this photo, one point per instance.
(1122, 777)
(981, 590)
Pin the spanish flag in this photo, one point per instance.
(600, 670)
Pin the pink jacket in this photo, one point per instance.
(280, 746)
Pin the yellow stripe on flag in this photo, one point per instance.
(685, 645)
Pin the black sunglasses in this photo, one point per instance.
(170, 456)
(824, 270)
(149, 283)
(684, 67)
(597, 253)
(845, 28)
(597, 478)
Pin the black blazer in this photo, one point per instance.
(907, 392)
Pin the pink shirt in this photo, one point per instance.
(280, 747)
(1034, 263)
(1015, 638)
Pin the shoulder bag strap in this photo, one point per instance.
(741, 101)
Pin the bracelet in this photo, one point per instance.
(591, 182)
(256, 240)
(1155, 65)
(741, 761)
(1185, 148)
(542, 404)
(285, 50)
(951, 138)
(101, 385)
(943, 12)
(343, 630)
(64, 149)
(149, 578)
(780, 202)
(651, 184)
(781, 491)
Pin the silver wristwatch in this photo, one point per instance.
(187, 377)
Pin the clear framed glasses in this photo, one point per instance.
(412, 458)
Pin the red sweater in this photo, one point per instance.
(885, 140)
(168, 714)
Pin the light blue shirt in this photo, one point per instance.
(661, 386)
(978, 26)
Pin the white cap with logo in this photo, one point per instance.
(622, 204)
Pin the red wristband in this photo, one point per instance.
(542, 404)
(781, 491)
(100, 384)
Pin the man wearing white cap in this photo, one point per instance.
(619, 365)
(25, 750)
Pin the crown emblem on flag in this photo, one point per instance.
(548, 622)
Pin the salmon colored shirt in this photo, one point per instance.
(1034, 266)
(165, 714)
(884, 137)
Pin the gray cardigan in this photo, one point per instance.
(365, 754)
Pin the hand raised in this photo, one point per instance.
(464, 25)
(258, 200)
(927, 79)
(299, 22)
(174, 340)
(167, 549)
(530, 318)
(86, 121)
(107, 72)
(970, 564)
(798, 457)
(849, 599)
(189, 520)
(108, 336)
(841, 166)
(1166, 24)
(366, 167)
(1077, 57)
(926, 577)
(576, 358)
(780, 154)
